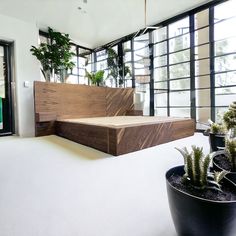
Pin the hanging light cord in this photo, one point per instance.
(145, 12)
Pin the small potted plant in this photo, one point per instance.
(226, 159)
(217, 136)
(96, 78)
(230, 120)
(202, 203)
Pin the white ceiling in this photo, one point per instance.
(104, 20)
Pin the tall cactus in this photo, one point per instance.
(230, 116)
(196, 167)
(230, 148)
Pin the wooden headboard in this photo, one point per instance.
(53, 100)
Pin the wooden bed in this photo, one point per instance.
(97, 117)
(123, 134)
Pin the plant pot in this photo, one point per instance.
(231, 175)
(194, 216)
(216, 140)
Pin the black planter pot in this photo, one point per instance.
(231, 176)
(194, 216)
(216, 140)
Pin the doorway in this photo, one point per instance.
(6, 113)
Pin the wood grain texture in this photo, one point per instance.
(119, 101)
(78, 101)
(117, 141)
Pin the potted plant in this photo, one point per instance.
(230, 120)
(216, 136)
(201, 203)
(96, 78)
(226, 159)
(55, 57)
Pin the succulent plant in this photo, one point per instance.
(230, 148)
(196, 167)
(230, 116)
(217, 128)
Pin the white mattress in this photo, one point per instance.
(121, 121)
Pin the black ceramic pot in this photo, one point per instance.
(194, 216)
(216, 167)
(216, 140)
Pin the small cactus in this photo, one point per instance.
(230, 148)
(217, 128)
(230, 116)
(196, 167)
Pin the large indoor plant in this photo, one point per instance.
(201, 203)
(55, 57)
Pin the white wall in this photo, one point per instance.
(26, 68)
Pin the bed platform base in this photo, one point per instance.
(118, 141)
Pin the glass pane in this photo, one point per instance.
(202, 67)
(225, 79)
(161, 111)
(180, 98)
(127, 56)
(203, 97)
(202, 36)
(180, 84)
(225, 63)
(142, 79)
(180, 70)
(202, 19)
(160, 99)
(178, 28)
(219, 113)
(179, 43)
(141, 41)
(202, 51)
(203, 114)
(144, 88)
(72, 79)
(160, 61)
(202, 82)
(160, 85)
(225, 96)
(127, 46)
(142, 71)
(180, 57)
(224, 29)
(160, 49)
(102, 65)
(101, 55)
(225, 46)
(159, 34)
(180, 112)
(160, 74)
(225, 10)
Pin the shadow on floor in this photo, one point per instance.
(76, 148)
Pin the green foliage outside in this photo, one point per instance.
(115, 69)
(196, 167)
(55, 56)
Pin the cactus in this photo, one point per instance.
(230, 116)
(196, 167)
(230, 148)
(217, 128)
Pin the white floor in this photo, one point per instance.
(53, 187)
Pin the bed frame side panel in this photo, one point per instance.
(130, 139)
(89, 135)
